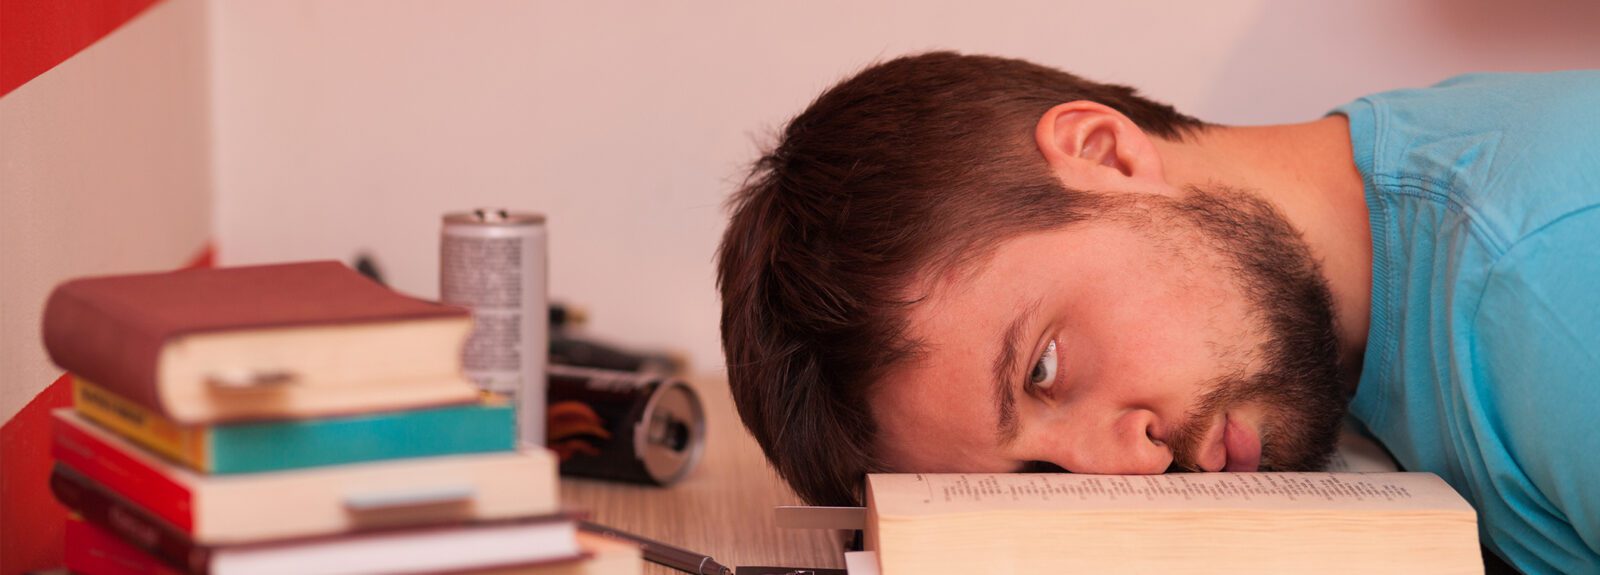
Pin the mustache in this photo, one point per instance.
(1222, 392)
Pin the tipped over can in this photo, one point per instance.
(625, 426)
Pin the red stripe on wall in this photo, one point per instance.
(30, 518)
(36, 35)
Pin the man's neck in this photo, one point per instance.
(1308, 173)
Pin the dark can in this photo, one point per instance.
(627, 426)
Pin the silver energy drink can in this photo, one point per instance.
(625, 426)
(494, 262)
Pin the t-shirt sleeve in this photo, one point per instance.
(1537, 348)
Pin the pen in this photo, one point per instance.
(661, 553)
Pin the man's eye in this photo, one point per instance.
(1044, 371)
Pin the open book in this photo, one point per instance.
(1193, 523)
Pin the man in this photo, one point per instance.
(962, 263)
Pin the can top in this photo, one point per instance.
(494, 217)
(671, 433)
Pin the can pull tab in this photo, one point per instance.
(491, 214)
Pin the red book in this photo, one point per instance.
(107, 510)
(282, 341)
(93, 551)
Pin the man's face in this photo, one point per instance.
(1189, 332)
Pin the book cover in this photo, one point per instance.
(255, 447)
(232, 509)
(274, 337)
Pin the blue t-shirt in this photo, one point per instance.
(1483, 360)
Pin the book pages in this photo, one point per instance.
(1359, 452)
(931, 494)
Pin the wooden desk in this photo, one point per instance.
(723, 508)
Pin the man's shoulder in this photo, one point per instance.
(1485, 376)
(1512, 152)
(1499, 100)
(1538, 296)
(1534, 351)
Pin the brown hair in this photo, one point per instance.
(916, 164)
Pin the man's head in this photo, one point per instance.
(963, 263)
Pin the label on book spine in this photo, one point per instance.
(184, 444)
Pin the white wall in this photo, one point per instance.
(104, 168)
(354, 124)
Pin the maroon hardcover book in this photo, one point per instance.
(90, 550)
(112, 330)
(134, 525)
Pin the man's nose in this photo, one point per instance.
(1128, 447)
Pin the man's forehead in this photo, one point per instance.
(959, 322)
(931, 423)
(937, 409)
(975, 300)
(951, 324)
(948, 290)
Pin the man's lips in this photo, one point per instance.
(1243, 447)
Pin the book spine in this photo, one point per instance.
(224, 449)
(133, 525)
(92, 551)
(185, 444)
(137, 480)
(384, 436)
(88, 340)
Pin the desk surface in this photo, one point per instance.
(723, 508)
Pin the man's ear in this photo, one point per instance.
(1089, 146)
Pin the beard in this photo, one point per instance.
(1299, 385)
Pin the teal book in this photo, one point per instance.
(255, 447)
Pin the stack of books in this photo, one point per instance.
(293, 418)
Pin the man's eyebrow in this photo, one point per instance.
(1005, 365)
